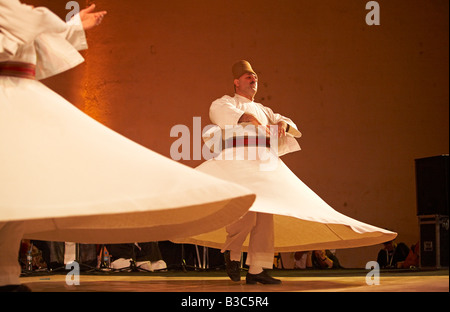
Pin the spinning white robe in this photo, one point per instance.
(302, 220)
(69, 178)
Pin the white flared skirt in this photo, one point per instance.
(69, 178)
(302, 220)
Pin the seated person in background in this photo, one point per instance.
(145, 256)
(392, 255)
(412, 260)
(325, 259)
(303, 260)
(317, 259)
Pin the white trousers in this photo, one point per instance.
(261, 245)
(11, 234)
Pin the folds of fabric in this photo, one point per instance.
(69, 178)
(38, 36)
(302, 220)
(23, 23)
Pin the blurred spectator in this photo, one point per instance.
(317, 259)
(144, 256)
(392, 255)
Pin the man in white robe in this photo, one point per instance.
(11, 232)
(66, 177)
(231, 111)
(287, 216)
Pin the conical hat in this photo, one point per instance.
(242, 67)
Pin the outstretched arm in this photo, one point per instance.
(86, 19)
(89, 18)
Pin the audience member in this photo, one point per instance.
(137, 256)
(392, 255)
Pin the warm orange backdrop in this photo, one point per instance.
(368, 99)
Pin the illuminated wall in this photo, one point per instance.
(368, 99)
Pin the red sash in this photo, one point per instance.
(18, 69)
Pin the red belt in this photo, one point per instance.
(247, 141)
(18, 69)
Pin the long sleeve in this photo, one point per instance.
(24, 23)
(288, 143)
(54, 55)
(75, 33)
(224, 112)
(57, 52)
(20, 24)
(275, 118)
(227, 110)
(38, 36)
(8, 46)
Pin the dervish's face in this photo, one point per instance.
(247, 85)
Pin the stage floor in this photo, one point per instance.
(342, 280)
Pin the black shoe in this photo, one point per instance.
(15, 288)
(263, 278)
(233, 268)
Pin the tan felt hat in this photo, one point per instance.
(242, 67)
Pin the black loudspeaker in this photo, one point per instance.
(432, 185)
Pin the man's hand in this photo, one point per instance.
(281, 129)
(252, 119)
(89, 18)
(249, 118)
